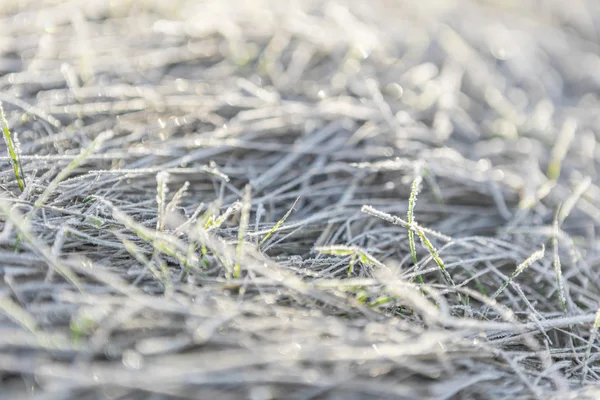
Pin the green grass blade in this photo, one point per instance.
(438, 260)
(561, 147)
(410, 216)
(572, 200)
(13, 150)
(279, 223)
(591, 340)
(64, 174)
(399, 221)
(177, 198)
(420, 231)
(217, 222)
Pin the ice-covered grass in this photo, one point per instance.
(218, 199)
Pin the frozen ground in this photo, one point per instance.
(220, 199)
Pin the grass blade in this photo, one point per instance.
(161, 193)
(413, 227)
(279, 223)
(64, 174)
(352, 251)
(13, 150)
(536, 256)
(410, 217)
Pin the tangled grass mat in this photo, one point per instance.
(299, 199)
